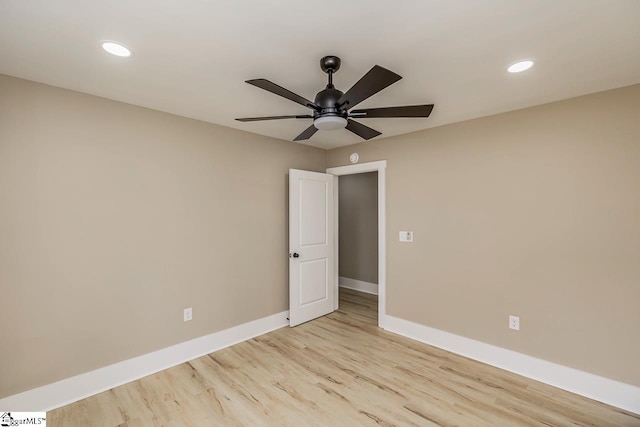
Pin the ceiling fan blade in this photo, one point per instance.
(404, 111)
(285, 93)
(371, 83)
(257, 119)
(308, 133)
(361, 130)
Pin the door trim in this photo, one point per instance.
(380, 167)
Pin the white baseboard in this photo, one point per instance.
(358, 285)
(602, 389)
(72, 389)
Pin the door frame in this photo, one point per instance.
(380, 167)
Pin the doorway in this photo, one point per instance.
(380, 168)
(358, 233)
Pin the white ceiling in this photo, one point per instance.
(191, 57)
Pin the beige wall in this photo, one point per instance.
(114, 218)
(358, 217)
(534, 213)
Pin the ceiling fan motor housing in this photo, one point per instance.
(329, 117)
(327, 100)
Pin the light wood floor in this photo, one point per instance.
(340, 370)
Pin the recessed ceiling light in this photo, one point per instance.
(116, 49)
(520, 66)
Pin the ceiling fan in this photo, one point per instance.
(331, 106)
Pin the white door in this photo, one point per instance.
(311, 261)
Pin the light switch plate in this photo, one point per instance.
(406, 236)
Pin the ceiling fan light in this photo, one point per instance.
(330, 123)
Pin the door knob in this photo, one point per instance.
(296, 255)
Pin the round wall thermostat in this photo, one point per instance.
(354, 157)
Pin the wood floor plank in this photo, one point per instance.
(339, 370)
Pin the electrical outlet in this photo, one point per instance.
(514, 322)
(406, 236)
(188, 314)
